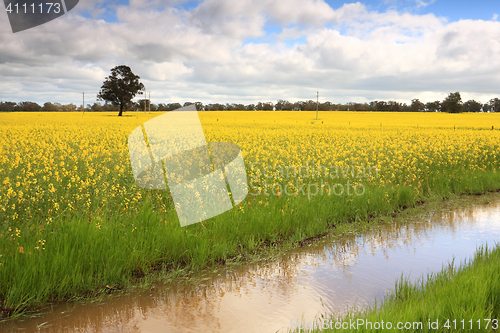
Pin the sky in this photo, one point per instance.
(247, 51)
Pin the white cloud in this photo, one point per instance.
(349, 53)
(421, 3)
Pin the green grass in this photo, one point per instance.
(466, 299)
(85, 254)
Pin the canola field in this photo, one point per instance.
(74, 223)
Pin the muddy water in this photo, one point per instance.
(325, 277)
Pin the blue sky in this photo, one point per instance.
(449, 9)
(249, 51)
(452, 10)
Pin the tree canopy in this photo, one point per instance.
(120, 87)
(452, 103)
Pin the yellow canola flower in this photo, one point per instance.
(52, 163)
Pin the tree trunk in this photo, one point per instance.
(121, 110)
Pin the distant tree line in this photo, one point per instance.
(452, 104)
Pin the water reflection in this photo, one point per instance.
(327, 276)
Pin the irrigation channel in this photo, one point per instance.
(326, 276)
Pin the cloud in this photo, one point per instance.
(421, 3)
(222, 51)
(407, 5)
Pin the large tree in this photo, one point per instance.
(433, 106)
(28, 106)
(417, 106)
(48, 106)
(452, 103)
(495, 104)
(7, 106)
(472, 106)
(120, 87)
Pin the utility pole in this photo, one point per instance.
(149, 102)
(145, 101)
(317, 104)
(83, 105)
